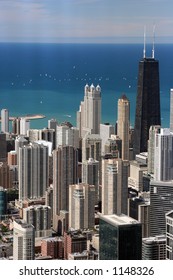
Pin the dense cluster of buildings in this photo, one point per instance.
(94, 191)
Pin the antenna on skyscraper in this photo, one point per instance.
(144, 52)
(153, 41)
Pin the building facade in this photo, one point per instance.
(33, 171)
(65, 173)
(123, 125)
(120, 238)
(23, 241)
(114, 186)
(147, 102)
(81, 206)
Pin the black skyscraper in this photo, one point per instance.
(147, 103)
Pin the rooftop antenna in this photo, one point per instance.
(144, 51)
(153, 41)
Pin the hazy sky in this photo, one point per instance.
(85, 20)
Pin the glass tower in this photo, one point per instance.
(147, 103)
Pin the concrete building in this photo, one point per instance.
(24, 126)
(33, 171)
(52, 247)
(114, 186)
(81, 206)
(123, 126)
(49, 199)
(89, 114)
(138, 209)
(74, 242)
(114, 146)
(23, 241)
(40, 217)
(154, 248)
(49, 135)
(5, 175)
(4, 120)
(163, 159)
(154, 129)
(106, 130)
(33, 134)
(12, 158)
(65, 166)
(135, 179)
(161, 202)
(90, 175)
(68, 136)
(120, 238)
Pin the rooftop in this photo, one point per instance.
(119, 219)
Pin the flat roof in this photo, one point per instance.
(119, 219)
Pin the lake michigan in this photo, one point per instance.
(49, 79)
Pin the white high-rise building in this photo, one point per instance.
(24, 126)
(33, 134)
(33, 171)
(4, 120)
(114, 186)
(81, 206)
(163, 159)
(23, 241)
(89, 115)
(106, 130)
(151, 147)
(66, 135)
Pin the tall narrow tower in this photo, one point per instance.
(4, 120)
(89, 115)
(65, 164)
(33, 171)
(124, 125)
(147, 102)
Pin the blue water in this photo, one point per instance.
(49, 79)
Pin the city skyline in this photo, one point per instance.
(87, 21)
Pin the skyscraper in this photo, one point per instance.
(154, 248)
(24, 125)
(147, 102)
(163, 156)
(33, 171)
(124, 125)
(151, 147)
(106, 130)
(90, 175)
(161, 197)
(23, 241)
(114, 186)
(120, 238)
(89, 115)
(4, 120)
(81, 206)
(40, 217)
(65, 163)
